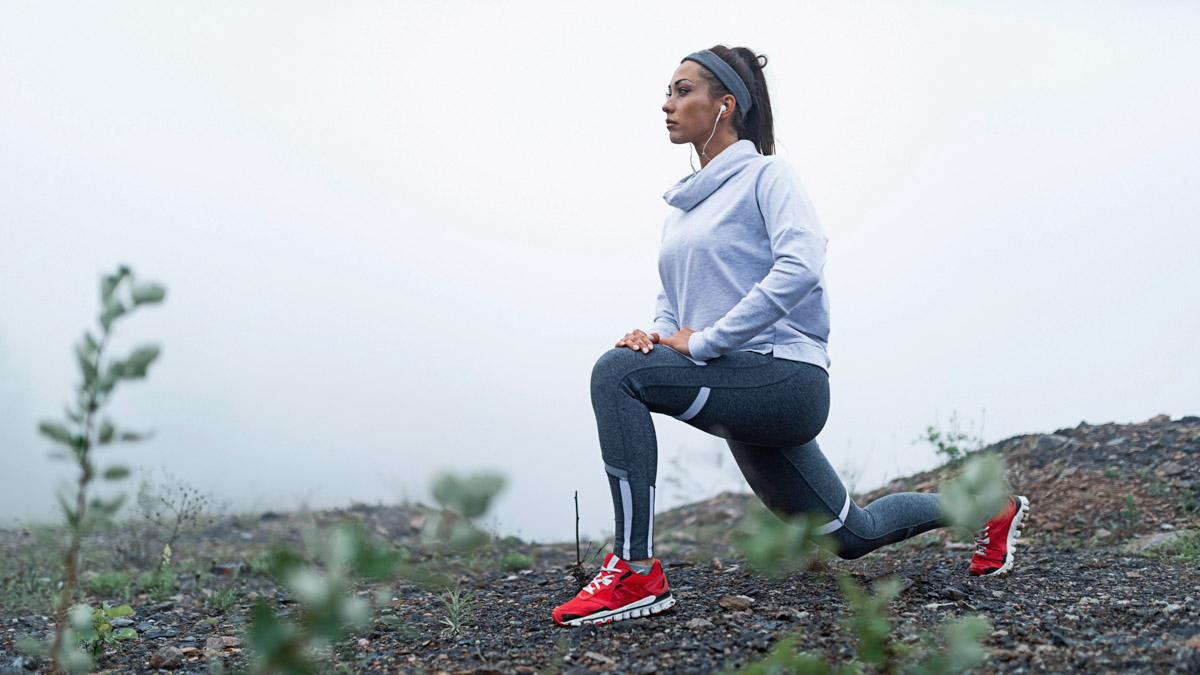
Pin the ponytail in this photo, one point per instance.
(758, 126)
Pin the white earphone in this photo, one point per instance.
(710, 137)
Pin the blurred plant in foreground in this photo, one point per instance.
(86, 428)
(330, 609)
(774, 546)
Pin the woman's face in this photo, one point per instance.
(691, 112)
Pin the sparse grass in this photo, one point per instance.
(221, 600)
(1111, 472)
(1189, 503)
(110, 584)
(459, 606)
(1131, 515)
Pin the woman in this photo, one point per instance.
(737, 349)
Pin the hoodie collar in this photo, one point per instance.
(695, 188)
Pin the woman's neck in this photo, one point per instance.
(716, 146)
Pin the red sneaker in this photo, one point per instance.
(617, 593)
(995, 541)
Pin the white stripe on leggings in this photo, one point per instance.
(837, 523)
(697, 404)
(650, 532)
(627, 507)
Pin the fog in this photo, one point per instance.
(396, 236)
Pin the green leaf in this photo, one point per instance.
(131, 436)
(86, 367)
(148, 293)
(105, 435)
(68, 511)
(106, 508)
(57, 432)
(111, 313)
(107, 287)
(139, 361)
(123, 610)
(126, 634)
(116, 472)
(470, 497)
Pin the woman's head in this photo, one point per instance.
(750, 120)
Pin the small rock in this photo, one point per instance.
(159, 633)
(23, 662)
(1169, 468)
(1101, 532)
(216, 644)
(953, 593)
(1156, 539)
(167, 657)
(1051, 442)
(698, 624)
(997, 594)
(121, 622)
(599, 657)
(1159, 418)
(1166, 526)
(1116, 441)
(735, 602)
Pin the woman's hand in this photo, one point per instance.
(639, 341)
(679, 340)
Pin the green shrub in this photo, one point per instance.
(515, 561)
(953, 444)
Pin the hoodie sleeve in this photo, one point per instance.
(665, 323)
(798, 246)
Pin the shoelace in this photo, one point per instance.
(603, 577)
(982, 540)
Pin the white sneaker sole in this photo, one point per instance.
(630, 611)
(1014, 533)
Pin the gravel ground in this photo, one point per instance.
(1082, 597)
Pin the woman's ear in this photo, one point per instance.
(728, 103)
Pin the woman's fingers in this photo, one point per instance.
(637, 341)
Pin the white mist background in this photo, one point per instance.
(396, 236)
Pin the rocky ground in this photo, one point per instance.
(1107, 579)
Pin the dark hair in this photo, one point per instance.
(758, 125)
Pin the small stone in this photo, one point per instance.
(216, 644)
(121, 622)
(1170, 468)
(159, 633)
(698, 624)
(167, 657)
(1050, 442)
(1116, 441)
(735, 602)
(1102, 533)
(1159, 418)
(599, 657)
(997, 594)
(953, 593)
(1166, 526)
(1156, 539)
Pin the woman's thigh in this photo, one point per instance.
(744, 396)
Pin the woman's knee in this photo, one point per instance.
(612, 366)
(848, 546)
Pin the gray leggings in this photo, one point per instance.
(769, 410)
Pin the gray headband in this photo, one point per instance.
(728, 77)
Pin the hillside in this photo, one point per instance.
(1106, 579)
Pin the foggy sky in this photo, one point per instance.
(396, 236)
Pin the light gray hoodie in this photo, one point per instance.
(742, 261)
